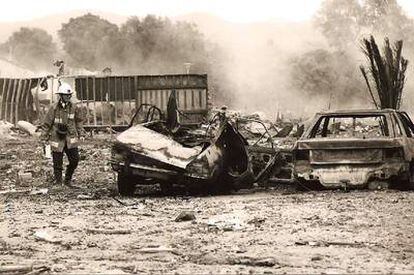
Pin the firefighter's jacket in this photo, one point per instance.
(69, 115)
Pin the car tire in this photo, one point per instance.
(410, 181)
(166, 188)
(126, 184)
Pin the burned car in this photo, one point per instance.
(356, 149)
(161, 151)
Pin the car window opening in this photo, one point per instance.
(345, 126)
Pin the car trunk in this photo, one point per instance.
(346, 151)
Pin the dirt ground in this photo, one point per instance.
(273, 230)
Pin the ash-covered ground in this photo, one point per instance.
(273, 230)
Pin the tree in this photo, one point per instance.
(90, 41)
(31, 47)
(340, 22)
(345, 22)
(157, 44)
(324, 74)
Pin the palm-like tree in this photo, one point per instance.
(387, 71)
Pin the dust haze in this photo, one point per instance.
(295, 68)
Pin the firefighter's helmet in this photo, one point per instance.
(64, 89)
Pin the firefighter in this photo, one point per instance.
(62, 128)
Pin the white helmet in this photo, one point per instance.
(64, 89)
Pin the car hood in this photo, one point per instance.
(158, 146)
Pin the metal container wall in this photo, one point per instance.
(108, 100)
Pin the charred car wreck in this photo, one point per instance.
(161, 151)
(357, 149)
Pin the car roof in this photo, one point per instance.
(358, 112)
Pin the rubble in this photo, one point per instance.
(108, 231)
(161, 151)
(45, 236)
(24, 178)
(28, 128)
(23, 269)
(185, 216)
(5, 130)
(254, 232)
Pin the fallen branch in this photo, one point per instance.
(108, 231)
(27, 269)
(126, 204)
(13, 191)
(328, 243)
(161, 249)
(16, 268)
(38, 270)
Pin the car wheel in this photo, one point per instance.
(308, 185)
(410, 181)
(378, 185)
(126, 184)
(166, 187)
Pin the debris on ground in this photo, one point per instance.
(28, 128)
(23, 269)
(40, 191)
(261, 231)
(252, 261)
(185, 216)
(157, 249)
(108, 231)
(24, 178)
(6, 130)
(42, 235)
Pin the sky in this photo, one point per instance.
(232, 10)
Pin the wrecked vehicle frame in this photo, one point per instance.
(160, 152)
(339, 151)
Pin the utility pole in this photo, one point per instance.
(187, 67)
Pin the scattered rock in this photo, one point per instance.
(58, 268)
(27, 127)
(257, 221)
(24, 178)
(250, 261)
(185, 216)
(41, 191)
(85, 197)
(159, 249)
(46, 237)
(316, 258)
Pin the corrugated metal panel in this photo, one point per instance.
(105, 100)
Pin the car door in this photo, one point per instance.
(408, 128)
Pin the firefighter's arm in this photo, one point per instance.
(79, 119)
(47, 124)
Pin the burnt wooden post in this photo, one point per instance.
(129, 97)
(87, 100)
(94, 100)
(37, 103)
(26, 104)
(122, 99)
(101, 83)
(16, 100)
(3, 96)
(115, 98)
(10, 94)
